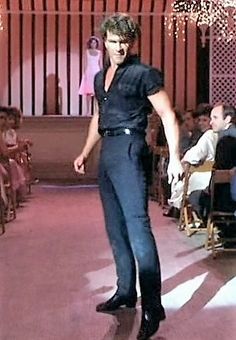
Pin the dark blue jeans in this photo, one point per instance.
(124, 195)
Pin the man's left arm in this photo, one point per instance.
(161, 103)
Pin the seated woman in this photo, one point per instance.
(11, 138)
(8, 154)
(25, 155)
(3, 172)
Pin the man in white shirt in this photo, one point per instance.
(222, 117)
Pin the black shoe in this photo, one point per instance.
(115, 302)
(172, 212)
(150, 322)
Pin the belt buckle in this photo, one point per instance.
(127, 131)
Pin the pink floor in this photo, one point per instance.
(56, 265)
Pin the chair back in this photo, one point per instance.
(185, 220)
(219, 177)
(218, 217)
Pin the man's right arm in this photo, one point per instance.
(91, 140)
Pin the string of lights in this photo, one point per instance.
(203, 13)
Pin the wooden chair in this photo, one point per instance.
(2, 216)
(10, 210)
(188, 220)
(163, 153)
(160, 153)
(216, 217)
(25, 160)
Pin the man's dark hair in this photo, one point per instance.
(4, 109)
(203, 109)
(229, 110)
(122, 25)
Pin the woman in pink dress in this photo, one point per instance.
(92, 65)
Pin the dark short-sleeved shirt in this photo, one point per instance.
(125, 104)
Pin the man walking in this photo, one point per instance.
(126, 91)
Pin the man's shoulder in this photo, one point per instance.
(209, 133)
(99, 75)
(148, 75)
(145, 68)
(208, 136)
(231, 131)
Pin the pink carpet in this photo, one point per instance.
(56, 265)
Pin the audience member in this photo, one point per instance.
(221, 122)
(9, 153)
(190, 128)
(223, 199)
(222, 118)
(14, 122)
(203, 114)
(204, 150)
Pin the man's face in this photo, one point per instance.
(189, 121)
(117, 47)
(218, 122)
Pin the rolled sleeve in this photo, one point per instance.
(154, 81)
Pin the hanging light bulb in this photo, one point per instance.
(186, 6)
(229, 3)
(204, 13)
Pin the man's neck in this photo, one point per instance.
(113, 66)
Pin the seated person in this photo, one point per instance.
(203, 116)
(189, 135)
(222, 118)
(8, 153)
(14, 121)
(189, 130)
(222, 122)
(225, 194)
(9, 133)
(204, 150)
(185, 140)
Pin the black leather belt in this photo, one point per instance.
(120, 131)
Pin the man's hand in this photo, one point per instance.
(79, 164)
(174, 171)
